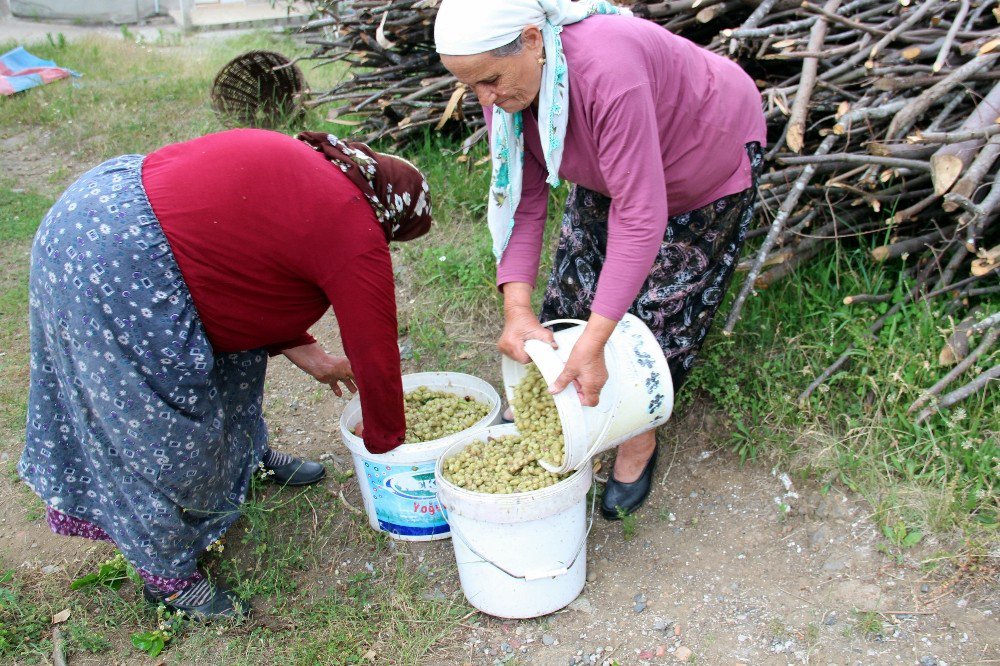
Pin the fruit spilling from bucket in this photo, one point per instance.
(434, 414)
(502, 465)
(537, 418)
(510, 464)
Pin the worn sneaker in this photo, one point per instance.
(291, 471)
(203, 601)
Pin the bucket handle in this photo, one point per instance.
(531, 575)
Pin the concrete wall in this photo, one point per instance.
(91, 11)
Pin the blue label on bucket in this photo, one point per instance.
(405, 499)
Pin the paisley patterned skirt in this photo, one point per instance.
(687, 282)
(137, 432)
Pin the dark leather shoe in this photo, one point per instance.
(293, 471)
(211, 602)
(627, 496)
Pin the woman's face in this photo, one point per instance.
(510, 82)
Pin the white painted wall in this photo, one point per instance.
(94, 11)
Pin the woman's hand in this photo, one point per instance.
(520, 322)
(520, 326)
(585, 366)
(586, 370)
(324, 368)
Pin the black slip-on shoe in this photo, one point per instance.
(204, 602)
(627, 497)
(290, 471)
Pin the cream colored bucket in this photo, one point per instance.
(638, 396)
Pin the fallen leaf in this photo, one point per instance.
(60, 617)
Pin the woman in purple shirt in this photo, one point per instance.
(662, 141)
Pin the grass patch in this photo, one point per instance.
(162, 97)
(855, 429)
(457, 309)
(20, 213)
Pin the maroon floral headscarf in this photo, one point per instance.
(396, 190)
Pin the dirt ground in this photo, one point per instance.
(716, 572)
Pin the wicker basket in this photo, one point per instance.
(257, 89)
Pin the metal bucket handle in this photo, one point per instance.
(531, 575)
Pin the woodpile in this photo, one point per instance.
(398, 86)
(884, 122)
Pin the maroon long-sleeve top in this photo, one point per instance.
(268, 234)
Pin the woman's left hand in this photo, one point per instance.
(326, 369)
(585, 366)
(585, 369)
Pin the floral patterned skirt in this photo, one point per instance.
(687, 282)
(137, 432)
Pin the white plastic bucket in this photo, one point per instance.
(519, 555)
(398, 487)
(638, 396)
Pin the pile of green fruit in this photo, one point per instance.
(501, 466)
(509, 464)
(435, 414)
(537, 418)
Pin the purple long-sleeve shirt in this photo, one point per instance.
(656, 123)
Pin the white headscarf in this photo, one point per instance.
(469, 27)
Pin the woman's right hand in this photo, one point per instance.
(521, 324)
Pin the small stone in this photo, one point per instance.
(925, 588)
(928, 661)
(591, 576)
(434, 595)
(506, 647)
(581, 604)
(661, 625)
(572, 661)
(640, 606)
(835, 564)
(682, 653)
(819, 537)
(863, 596)
(677, 630)
(830, 619)
(548, 639)
(51, 569)
(34, 544)
(645, 654)
(694, 494)
(639, 598)
(661, 650)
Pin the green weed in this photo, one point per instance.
(868, 624)
(630, 523)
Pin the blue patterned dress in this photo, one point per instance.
(136, 432)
